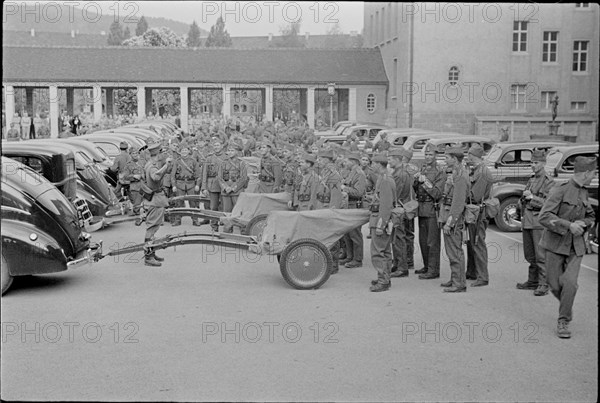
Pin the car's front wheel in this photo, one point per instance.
(508, 212)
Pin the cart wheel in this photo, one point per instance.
(256, 226)
(306, 264)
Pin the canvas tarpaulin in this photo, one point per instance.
(250, 205)
(326, 226)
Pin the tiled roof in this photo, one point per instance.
(24, 38)
(201, 65)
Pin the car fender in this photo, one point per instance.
(502, 190)
(28, 250)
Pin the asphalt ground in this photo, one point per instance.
(214, 324)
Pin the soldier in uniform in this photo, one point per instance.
(13, 133)
(134, 173)
(329, 193)
(305, 195)
(43, 132)
(355, 186)
(210, 181)
(566, 215)
(186, 180)
(399, 237)
(25, 126)
(118, 167)
(384, 197)
(233, 179)
(290, 169)
(270, 175)
(429, 185)
(409, 229)
(37, 124)
(382, 145)
(156, 206)
(535, 194)
(481, 187)
(456, 191)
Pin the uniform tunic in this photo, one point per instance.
(131, 169)
(306, 193)
(402, 243)
(356, 186)
(185, 176)
(381, 213)
(566, 204)
(232, 173)
(155, 207)
(270, 175)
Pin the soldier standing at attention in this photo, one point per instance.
(399, 238)
(566, 215)
(384, 197)
(329, 193)
(270, 175)
(118, 167)
(409, 229)
(355, 186)
(135, 175)
(156, 206)
(456, 191)
(306, 193)
(481, 187)
(186, 180)
(37, 124)
(429, 186)
(382, 145)
(13, 133)
(535, 194)
(233, 179)
(25, 126)
(210, 180)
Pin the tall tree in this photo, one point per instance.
(115, 34)
(126, 33)
(218, 36)
(193, 39)
(289, 36)
(142, 26)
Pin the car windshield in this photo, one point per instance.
(553, 159)
(495, 154)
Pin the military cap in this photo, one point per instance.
(123, 145)
(538, 156)
(455, 151)
(406, 153)
(429, 148)
(267, 143)
(584, 164)
(396, 152)
(354, 156)
(154, 146)
(380, 158)
(476, 150)
(326, 153)
(309, 158)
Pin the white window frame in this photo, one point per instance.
(520, 30)
(518, 97)
(583, 107)
(371, 98)
(548, 53)
(582, 5)
(577, 56)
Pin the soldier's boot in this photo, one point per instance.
(541, 290)
(150, 258)
(378, 287)
(562, 329)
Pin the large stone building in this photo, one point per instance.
(488, 68)
(266, 83)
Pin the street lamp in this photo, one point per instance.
(331, 92)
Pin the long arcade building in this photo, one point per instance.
(358, 75)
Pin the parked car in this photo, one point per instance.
(41, 231)
(334, 139)
(511, 162)
(134, 140)
(559, 166)
(339, 127)
(441, 143)
(110, 142)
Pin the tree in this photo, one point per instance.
(127, 33)
(115, 34)
(193, 39)
(335, 29)
(158, 37)
(218, 36)
(289, 36)
(142, 26)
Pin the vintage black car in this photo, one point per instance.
(41, 231)
(559, 166)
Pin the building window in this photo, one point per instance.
(371, 103)
(549, 46)
(518, 94)
(395, 75)
(382, 26)
(453, 75)
(580, 53)
(582, 5)
(520, 36)
(372, 30)
(579, 106)
(547, 98)
(377, 25)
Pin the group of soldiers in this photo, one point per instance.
(449, 199)
(26, 127)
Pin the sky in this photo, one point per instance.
(250, 18)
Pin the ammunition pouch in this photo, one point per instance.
(146, 192)
(211, 170)
(374, 208)
(304, 198)
(472, 213)
(323, 199)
